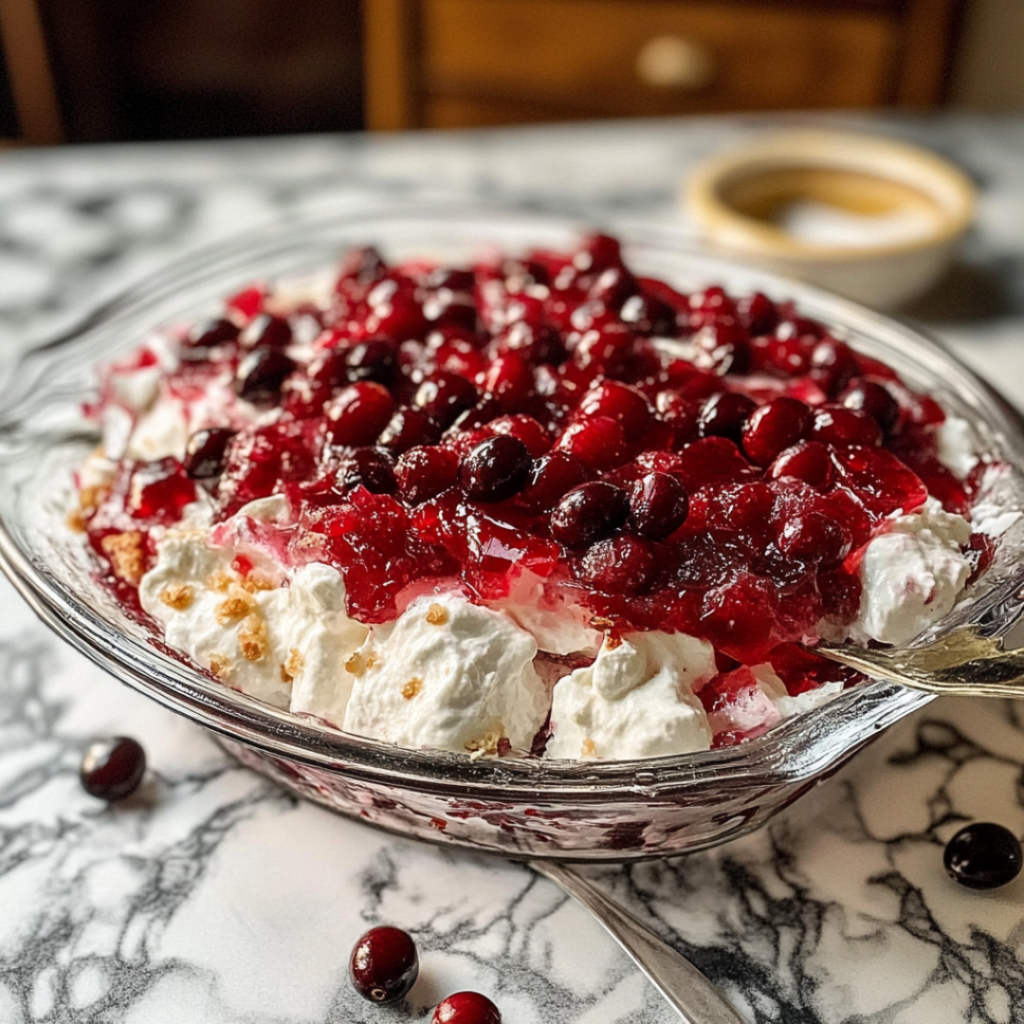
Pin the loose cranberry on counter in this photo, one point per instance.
(589, 512)
(983, 856)
(204, 453)
(658, 505)
(113, 768)
(466, 1008)
(261, 373)
(495, 469)
(384, 964)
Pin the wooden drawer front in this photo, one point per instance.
(510, 60)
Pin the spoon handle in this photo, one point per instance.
(693, 997)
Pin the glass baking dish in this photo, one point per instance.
(527, 808)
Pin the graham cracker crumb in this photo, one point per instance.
(372, 661)
(255, 582)
(437, 614)
(611, 642)
(232, 608)
(412, 687)
(89, 499)
(220, 666)
(488, 743)
(253, 641)
(600, 622)
(356, 665)
(178, 596)
(221, 582)
(76, 520)
(127, 555)
(588, 748)
(293, 666)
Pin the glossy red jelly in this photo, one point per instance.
(468, 425)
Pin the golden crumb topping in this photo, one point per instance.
(437, 614)
(412, 688)
(178, 596)
(127, 555)
(253, 640)
(233, 608)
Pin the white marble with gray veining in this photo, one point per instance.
(213, 897)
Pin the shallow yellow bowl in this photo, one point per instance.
(868, 217)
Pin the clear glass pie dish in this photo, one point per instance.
(591, 810)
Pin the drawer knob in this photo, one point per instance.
(671, 62)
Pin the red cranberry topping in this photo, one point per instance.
(876, 400)
(466, 1008)
(210, 334)
(624, 404)
(330, 368)
(204, 455)
(496, 469)
(621, 565)
(773, 427)
(160, 491)
(983, 855)
(407, 429)
(814, 537)
(423, 473)
(809, 461)
(372, 468)
(600, 442)
(444, 396)
(384, 964)
(552, 476)
(113, 768)
(526, 428)
(375, 359)
(261, 373)
(266, 329)
(724, 415)
(658, 505)
(588, 512)
(838, 424)
(358, 413)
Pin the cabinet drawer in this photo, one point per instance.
(529, 59)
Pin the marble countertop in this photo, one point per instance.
(213, 896)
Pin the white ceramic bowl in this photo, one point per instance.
(871, 218)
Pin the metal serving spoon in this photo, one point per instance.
(686, 989)
(961, 663)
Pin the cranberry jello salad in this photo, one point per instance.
(538, 505)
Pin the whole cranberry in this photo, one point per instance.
(620, 565)
(620, 402)
(372, 468)
(840, 425)
(210, 333)
(204, 453)
(113, 768)
(589, 512)
(658, 505)
(424, 472)
(261, 373)
(444, 395)
(374, 359)
(329, 368)
(773, 427)
(812, 537)
(808, 461)
(358, 413)
(983, 855)
(384, 964)
(876, 400)
(266, 330)
(599, 442)
(495, 469)
(407, 429)
(466, 1008)
(552, 476)
(724, 415)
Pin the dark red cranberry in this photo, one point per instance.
(495, 469)
(407, 429)
(619, 565)
(589, 512)
(267, 329)
(596, 253)
(204, 453)
(113, 768)
(876, 400)
(773, 427)
(613, 287)
(681, 414)
(466, 1008)
(395, 310)
(757, 313)
(839, 425)
(724, 415)
(384, 964)
(526, 428)
(553, 475)
(832, 365)
(599, 442)
(983, 855)
(211, 333)
(424, 472)
(444, 395)
(358, 413)
(813, 537)
(372, 468)
(261, 373)
(722, 348)
(620, 402)
(711, 306)
(658, 505)
(509, 379)
(375, 359)
(808, 461)
(330, 368)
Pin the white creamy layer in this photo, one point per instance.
(911, 574)
(450, 675)
(635, 701)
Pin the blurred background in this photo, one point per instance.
(122, 70)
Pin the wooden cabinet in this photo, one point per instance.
(449, 63)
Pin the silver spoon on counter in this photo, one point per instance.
(685, 988)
